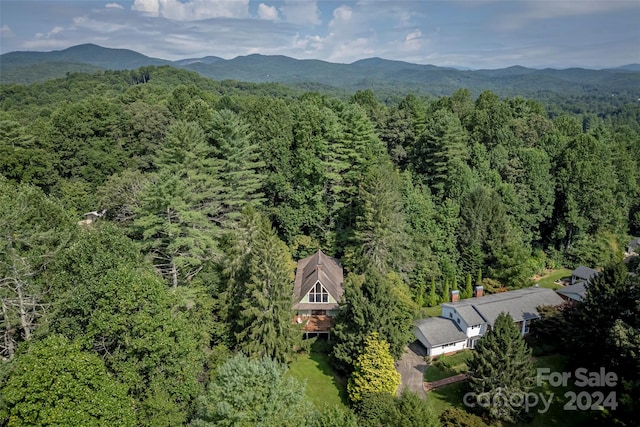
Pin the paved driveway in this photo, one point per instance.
(411, 367)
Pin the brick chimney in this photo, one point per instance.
(478, 292)
(455, 296)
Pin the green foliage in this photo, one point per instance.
(500, 368)
(432, 298)
(369, 305)
(609, 316)
(467, 292)
(456, 417)
(331, 416)
(374, 370)
(237, 164)
(260, 278)
(446, 292)
(55, 382)
(383, 409)
(33, 229)
(379, 240)
(149, 343)
(253, 392)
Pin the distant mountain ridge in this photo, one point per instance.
(28, 67)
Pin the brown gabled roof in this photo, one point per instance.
(318, 268)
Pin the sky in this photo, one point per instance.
(469, 34)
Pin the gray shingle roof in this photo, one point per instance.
(318, 268)
(584, 273)
(436, 331)
(521, 304)
(576, 292)
(470, 315)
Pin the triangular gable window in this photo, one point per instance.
(318, 293)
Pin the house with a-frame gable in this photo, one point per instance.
(318, 289)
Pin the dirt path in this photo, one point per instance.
(411, 368)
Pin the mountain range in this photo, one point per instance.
(28, 67)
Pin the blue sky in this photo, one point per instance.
(475, 33)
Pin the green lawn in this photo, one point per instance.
(447, 366)
(323, 386)
(431, 311)
(548, 281)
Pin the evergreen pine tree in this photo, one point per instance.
(237, 163)
(380, 240)
(432, 299)
(445, 292)
(370, 304)
(501, 370)
(261, 275)
(468, 287)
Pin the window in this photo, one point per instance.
(451, 314)
(318, 294)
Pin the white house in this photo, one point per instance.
(462, 323)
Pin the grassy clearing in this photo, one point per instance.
(548, 281)
(323, 385)
(447, 366)
(446, 397)
(431, 311)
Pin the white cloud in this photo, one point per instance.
(113, 6)
(55, 30)
(95, 25)
(301, 12)
(6, 31)
(413, 41)
(193, 10)
(268, 13)
(341, 15)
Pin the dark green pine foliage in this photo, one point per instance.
(24, 159)
(260, 277)
(445, 292)
(271, 122)
(317, 171)
(586, 201)
(179, 238)
(237, 164)
(467, 292)
(380, 240)
(369, 305)
(33, 229)
(88, 139)
(441, 152)
(501, 368)
(432, 298)
(254, 392)
(357, 146)
(174, 221)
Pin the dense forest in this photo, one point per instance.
(180, 294)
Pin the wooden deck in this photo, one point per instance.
(315, 323)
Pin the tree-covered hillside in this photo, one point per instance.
(212, 189)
